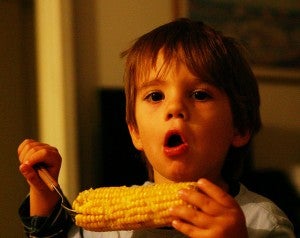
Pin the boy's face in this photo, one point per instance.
(184, 125)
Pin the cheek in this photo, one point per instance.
(225, 133)
(219, 126)
(145, 118)
(146, 134)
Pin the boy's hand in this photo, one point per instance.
(31, 153)
(213, 213)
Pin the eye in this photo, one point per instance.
(201, 95)
(155, 96)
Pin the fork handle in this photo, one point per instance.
(47, 178)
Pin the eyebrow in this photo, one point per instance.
(149, 83)
(160, 81)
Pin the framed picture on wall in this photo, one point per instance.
(269, 30)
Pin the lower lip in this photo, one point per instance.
(176, 151)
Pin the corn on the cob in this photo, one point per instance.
(127, 208)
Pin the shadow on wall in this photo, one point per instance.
(121, 163)
(277, 147)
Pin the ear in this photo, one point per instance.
(135, 137)
(240, 140)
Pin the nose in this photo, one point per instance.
(176, 109)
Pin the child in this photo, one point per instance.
(192, 110)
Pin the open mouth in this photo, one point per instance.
(173, 139)
(175, 144)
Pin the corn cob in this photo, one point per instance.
(127, 208)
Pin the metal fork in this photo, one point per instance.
(54, 186)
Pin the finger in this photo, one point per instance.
(27, 171)
(28, 143)
(192, 216)
(35, 152)
(188, 229)
(216, 193)
(32, 177)
(37, 155)
(24, 142)
(201, 201)
(28, 146)
(22, 150)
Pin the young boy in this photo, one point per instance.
(192, 110)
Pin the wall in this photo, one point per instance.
(118, 24)
(17, 106)
(277, 146)
(56, 86)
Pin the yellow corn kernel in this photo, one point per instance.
(128, 208)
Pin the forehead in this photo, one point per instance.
(157, 66)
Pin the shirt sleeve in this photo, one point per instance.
(55, 225)
(283, 230)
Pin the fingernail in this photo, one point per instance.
(175, 223)
(22, 168)
(200, 181)
(182, 192)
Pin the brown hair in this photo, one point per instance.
(211, 56)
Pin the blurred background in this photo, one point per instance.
(61, 83)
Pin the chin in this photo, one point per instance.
(182, 178)
(183, 174)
